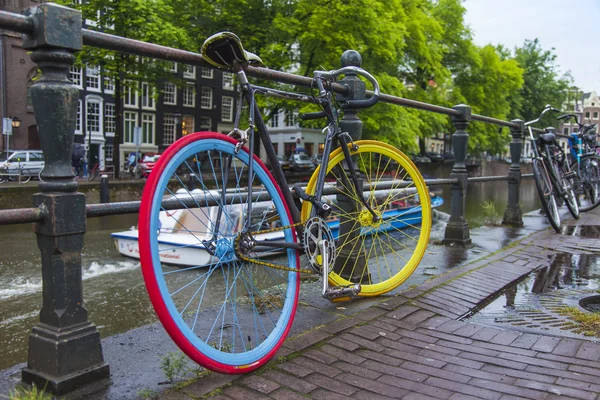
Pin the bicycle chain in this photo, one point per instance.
(268, 264)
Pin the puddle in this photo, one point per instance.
(586, 231)
(535, 301)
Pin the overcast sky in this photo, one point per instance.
(572, 27)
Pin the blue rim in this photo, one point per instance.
(233, 359)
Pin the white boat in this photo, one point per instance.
(182, 231)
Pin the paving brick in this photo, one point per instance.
(319, 356)
(393, 324)
(402, 312)
(441, 373)
(462, 396)
(307, 340)
(415, 387)
(493, 360)
(341, 324)
(505, 337)
(545, 344)
(360, 370)
(562, 390)
(335, 385)
(467, 389)
(505, 349)
(284, 394)
(525, 341)
(374, 386)
(296, 369)
(444, 336)
(400, 345)
(533, 361)
(471, 349)
(365, 395)
(570, 360)
(486, 334)
(204, 386)
(383, 329)
(316, 366)
(259, 384)
(344, 344)
(417, 335)
(516, 373)
(458, 360)
(450, 299)
(239, 393)
(434, 322)
(441, 311)
(371, 313)
(436, 304)
(323, 394)
(396, 371)
(587, 386)
(383, 358)
(468, 330)
(392, 303)
(509, 389)
(418, 396)
(298, 385)
(478, 373)
(365, 333)
(567, 347)
(589, 351)
(365, 343)
(449, 292)
(339, 354)
(418, 317)
(584, 370)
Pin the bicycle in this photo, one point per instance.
(586, 162)
(212, 196)
(22, 174)
(94, 172)
(552, 175)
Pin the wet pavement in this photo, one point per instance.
(409, 343)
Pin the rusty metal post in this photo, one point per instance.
(457, 230)
(64, 347)
(513, 215)
(348, 255)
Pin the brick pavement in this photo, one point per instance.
(413, 346)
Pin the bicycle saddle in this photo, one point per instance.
(549, 137)
(224, 48)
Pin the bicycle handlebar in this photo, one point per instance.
(357, 71)
(546, 109)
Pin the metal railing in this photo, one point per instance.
(64, 348)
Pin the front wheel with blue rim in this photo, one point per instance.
(227, 302)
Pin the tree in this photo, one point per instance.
(149, 21)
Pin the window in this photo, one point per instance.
(170, 93)
(565, 131)
(130, 122)
(110, 122)
(130, 95)
(587, 114)
(92, 116)
(189, 98)
(596, 115)
(206, 98)
(206, 73)
(227, 81)
(148, 128)
(109, 85)
(189, 71)
(92, 78)
(108, 152)
(187, 124)
(147, 96)
(78, 119)
(289, 118)
(227, 109)
(173, 67)
(275, 120)
(168, 129)
(75, 76)
(205, 124)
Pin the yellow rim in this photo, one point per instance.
(387, 249)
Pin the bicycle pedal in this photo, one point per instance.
(339, 292)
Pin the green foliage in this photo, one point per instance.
(175, 366)
(32, 393)
(148, 394)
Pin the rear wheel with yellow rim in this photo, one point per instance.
(378, 251)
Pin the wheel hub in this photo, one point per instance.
(365, 218)
(224, 250)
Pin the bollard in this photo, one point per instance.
(457, 230)
(513, 214)
(64, 347)
(104, 193)
(348, 255)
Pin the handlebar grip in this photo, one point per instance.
(371, 101)
(313, 115)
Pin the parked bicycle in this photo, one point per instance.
(16, 173)
(552, 174)
(586, 162)
(362, 223)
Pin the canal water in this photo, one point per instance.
(113, 287)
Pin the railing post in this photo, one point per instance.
(64, 347)
(353, 125)
(457, 230)
(513, 215)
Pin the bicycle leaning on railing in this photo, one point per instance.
(18, 173)
(362, 223)
(552, 174)
(586, 162)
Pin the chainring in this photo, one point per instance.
(315, 231)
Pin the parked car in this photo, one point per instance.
(316, 159)
(301, 162)
(420, 159)
(283, 163)
(435, 157)
(29, 161)
(147, 163)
